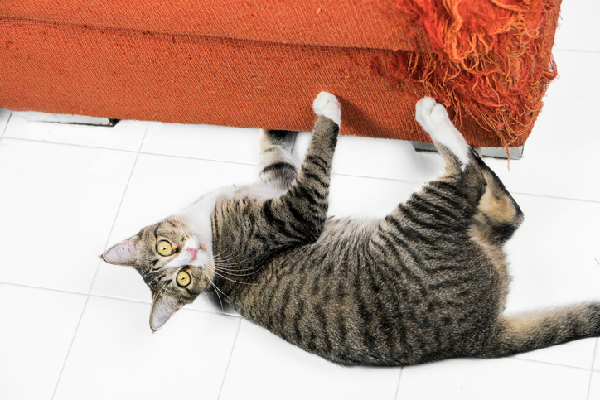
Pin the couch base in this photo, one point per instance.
(513, 153)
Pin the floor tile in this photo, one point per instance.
(125, 135)
(378, 158)
(366, 197)
(597, 356)
(115, 355)
(553, 260)
(57, 209)
(594, 393)
(4, 117)
(560, 157)
(203, 141)
(554, 254)
(579, 354)
(265, 367)
(149, 199)
(38, 326)
(578, 28)
(493, 379)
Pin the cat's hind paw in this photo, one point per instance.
(327, 105)
(434, 119)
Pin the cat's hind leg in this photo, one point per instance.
(275, 153)
(498, 215)
(543, 328)
(439, 213)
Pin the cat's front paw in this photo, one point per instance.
(327, 105)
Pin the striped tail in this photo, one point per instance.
(536, 330)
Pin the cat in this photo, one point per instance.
(427, 282)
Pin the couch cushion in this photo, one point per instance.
(347, 23)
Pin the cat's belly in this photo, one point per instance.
(336, 299)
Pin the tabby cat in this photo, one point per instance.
(427, 282)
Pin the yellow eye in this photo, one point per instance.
(183, 279)
(164, 248)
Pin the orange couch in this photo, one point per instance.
(260, 63)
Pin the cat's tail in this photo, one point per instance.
(535, 330)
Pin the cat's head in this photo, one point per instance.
(176, 264)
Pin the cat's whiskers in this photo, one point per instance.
(232, 268)
(230, 264)
(219, 291)
(214, 270)
(227, 258)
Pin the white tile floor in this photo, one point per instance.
(73, 327)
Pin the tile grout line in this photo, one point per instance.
(70, 144)
(97, 269)
(230, 356)
(102, 296)
(398, 386)
(592, 370)
(10, 113)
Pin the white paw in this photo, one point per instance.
(328, 106)
(433, 117)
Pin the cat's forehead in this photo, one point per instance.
(169, 227)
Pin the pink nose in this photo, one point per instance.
(193, 252)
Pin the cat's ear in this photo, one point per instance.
(163, 307)
(124, 253)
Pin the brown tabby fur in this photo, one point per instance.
(427, 282)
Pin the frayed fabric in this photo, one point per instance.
(488, 59)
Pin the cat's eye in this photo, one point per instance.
(183, 279)
(164, 248)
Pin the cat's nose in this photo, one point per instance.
(192, 252)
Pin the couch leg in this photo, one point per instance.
(495, 152)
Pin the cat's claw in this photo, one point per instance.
(434, 119)
(327, 105)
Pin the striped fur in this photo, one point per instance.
(427, 282)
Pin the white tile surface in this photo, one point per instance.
(57, 208)
(378, 158)
(265, 367)
(578, 27)
(38, 326)
(493, 379)
(4, 117)
(554, 253)
(366, 197)
(126, 135)
(566, 136)
(115, 355)
(597, 356)
(578, 354)
(594, 386)
(203, 141)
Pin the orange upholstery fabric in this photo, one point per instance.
(246, 63)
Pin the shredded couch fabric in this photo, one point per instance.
(490, 59)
